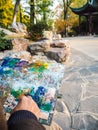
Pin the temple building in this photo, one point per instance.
(89, 10)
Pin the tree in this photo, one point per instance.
(67, 15)
(43, 8)
(60, 25)
(37, 8)
(66, 6)
(32, 12)
(15, 11)
(6, 12)
(78, 3)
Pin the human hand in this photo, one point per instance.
(27, 103)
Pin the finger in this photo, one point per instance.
(22, 97)
(29, 97)
(38, 114)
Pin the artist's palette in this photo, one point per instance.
(39, 79)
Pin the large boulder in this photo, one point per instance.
(22, 55)
(48, 35)
(59, 51)
(17, 54)
(18, 27)
(60, 43)
(1, 55)
(58, 54)
(20, 44)
(37, 47)
(57, 36)
(13, 33)
(7, 32)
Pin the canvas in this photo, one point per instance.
(39, 79)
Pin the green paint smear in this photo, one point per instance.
(16, 93)
(46, 107)
(12, 62)
(37, 68)
(8, 72)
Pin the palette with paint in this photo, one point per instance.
(40, 80)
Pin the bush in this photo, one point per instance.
(36, 31)
(4, 43)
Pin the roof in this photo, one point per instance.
(91, 7)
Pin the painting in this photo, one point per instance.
(39, 79)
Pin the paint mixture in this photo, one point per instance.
(39, 79)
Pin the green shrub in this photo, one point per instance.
(5, 44)
(36, 31)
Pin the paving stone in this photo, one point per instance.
(83, 121)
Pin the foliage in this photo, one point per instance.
(43, 8)
(75, 22)
(78, 3)
(26, 20)
(4, 43)
(21, 17)
(39, 11)
(60, 25)
(6, 12)
(71, 20)
(36, 32)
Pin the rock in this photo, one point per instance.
(60, 50)
(22, 55)
(48, 35)
(60, 44)
(18, 27)
(1, 55)
(7, 32)
(14, 34)
(57, 36)
(20, 44)
(58, 54)
(40, 46)
(17, 54)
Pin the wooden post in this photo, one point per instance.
(87, 25)
(79, 24)
(90, 24)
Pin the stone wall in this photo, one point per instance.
(58, 50)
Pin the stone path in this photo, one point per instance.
(78, 107)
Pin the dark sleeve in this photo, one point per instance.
(3, 125)
(24, 120)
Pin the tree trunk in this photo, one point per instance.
(32, 13)
(44, 17)
(15, 11)
(65, 6)
(64, 9)
(20, 13)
